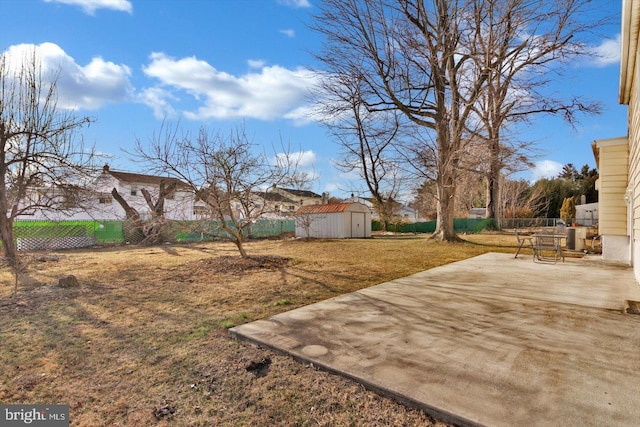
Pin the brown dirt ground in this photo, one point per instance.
(143, 340)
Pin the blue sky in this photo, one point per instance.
(224, 63)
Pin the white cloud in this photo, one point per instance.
(606, 53)
(302, 159)
(545, 169)
(256, 63)
(306, 159)
(89, 87)
(289, 33)
(305, 114)
(159, 100)
(266, 94)
(90, 6)
(332, 187)
(295, 3)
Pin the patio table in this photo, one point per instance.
(547, 247)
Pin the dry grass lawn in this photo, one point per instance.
(143, 340)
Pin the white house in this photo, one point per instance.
(618, 159)
(333, 221)
(402, 211)
(98, 202)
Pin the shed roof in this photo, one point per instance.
(319, 209)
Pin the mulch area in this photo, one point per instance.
(238, 264)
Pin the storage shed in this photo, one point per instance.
(334, 221)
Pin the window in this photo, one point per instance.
(69, 200)
(105, 199)
(292, 208)
(134, 191)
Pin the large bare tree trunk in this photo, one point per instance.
(151, 231)
(133, 230)
(493, 181)
(445, 208)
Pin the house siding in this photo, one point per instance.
(633, 187)
(336, 221)
(634, 151)
(619, 158)
(613, 185)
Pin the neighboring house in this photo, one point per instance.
(408, 213)
(477, 213)
(618, 159)
(98, 202)
(179, 205)
(301, 197)
(278, 204)
(334, 221)
(402, 211)
(282, 202)
(50, 202)
(275, 203)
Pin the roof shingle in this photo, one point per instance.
(144, 179)
(330, 208)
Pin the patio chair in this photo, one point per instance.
(523, 242)
(547, 248)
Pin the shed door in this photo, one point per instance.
(357, 224)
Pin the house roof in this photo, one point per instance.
(301, 193)
(330, 208)
(275, 197)
(141, 178)
(599, 143)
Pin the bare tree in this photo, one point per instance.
(224, 171)
(523, 45)
(305, 221)
(367, 138)
(43, 164)
(520, 199)
(410, 57)
(459, 71)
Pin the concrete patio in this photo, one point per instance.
(492, 340)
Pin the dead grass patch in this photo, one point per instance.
(143, 340)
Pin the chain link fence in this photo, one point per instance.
(42, 235)
(32, 235)
(460, 225)
(532, 223)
